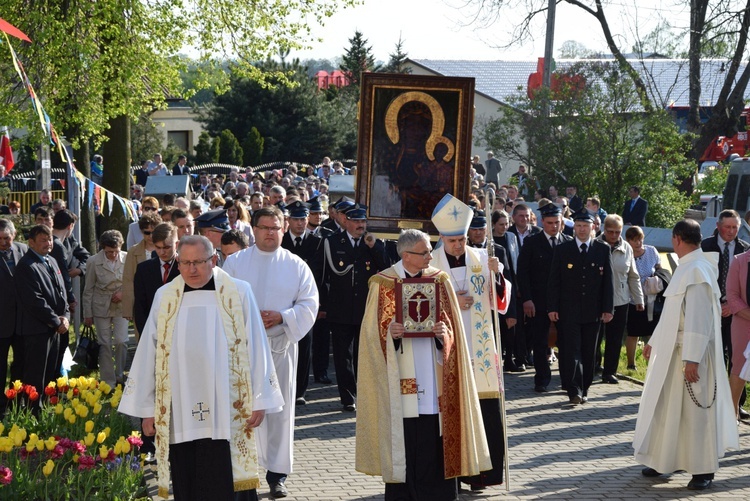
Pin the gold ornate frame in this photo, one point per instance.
(414, 147)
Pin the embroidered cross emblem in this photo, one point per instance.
(455, 213)
(198, 411)
(409, 386)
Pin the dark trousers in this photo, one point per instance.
(40, 359)
(539, 325)
(345, 350)
(321, 348)
(202, 469)
(64, 343)
(303, 364)
(425, 478)
(613, 333)
(577, 355)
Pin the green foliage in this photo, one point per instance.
(216, 149)
(572, 49)
(230, 151)
(358, 58)
(397, 60)
(203, 153)
(596, 138)
(145, 139)
(252, 147)
(297, 123)
(711, 184)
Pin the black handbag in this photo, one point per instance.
(87, 351)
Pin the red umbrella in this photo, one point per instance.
(12, 30)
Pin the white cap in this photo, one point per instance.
(452, 217)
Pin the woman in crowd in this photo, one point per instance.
(647, 262)
(627, 285)
(139, 253)
(239, 219)
(102, 306)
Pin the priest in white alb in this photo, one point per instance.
(203, 379)
(288, 298)
(418, 424)
(469, 270)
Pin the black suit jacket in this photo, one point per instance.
(311, 252)
(9, 308)
(711, 244)
(77, 254)
(575, 203)
(184, 171)
(514, 230)
(534, 263)
(60, 254)
(41, 296)
(347, 294)
(637, 216)
(147, 280)
(580, 285)
(141, 177)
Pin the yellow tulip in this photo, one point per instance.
(75, 458)
(6, 444)
(2, 428)
(89, 439)
(62, 381)
(40, 445)
(118, 448)
(107, 431)
(101, 437)
(89, 426)
(30, 446)
(97, 408)
(125, 447)
(72, 419)
(50, 443)
(105, 387)
(17, 385)
(82, 411)
(52, 384)
(59, 409)
(48, 467)
(67, 413)
(103, 452)
(69, 395)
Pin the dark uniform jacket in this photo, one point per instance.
(534, 263)
(580, 285)
(149, 276)
(311, 252)
(347, 294)
(41, 295)
(9, 307)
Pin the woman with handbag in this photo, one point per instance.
(647, 262)
(102, 306)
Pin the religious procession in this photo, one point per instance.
(416, 324)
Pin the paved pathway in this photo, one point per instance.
(557, 451)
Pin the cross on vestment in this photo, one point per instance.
(198, 414)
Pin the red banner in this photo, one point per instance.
(6, 154)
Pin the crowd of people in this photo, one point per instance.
(252, 281)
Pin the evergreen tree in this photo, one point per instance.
(358, 58)
(397, 60)
(230, 151)
(215, 149)
(203, 149)
(253, 147)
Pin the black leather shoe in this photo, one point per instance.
(584, 399)
(744, 415)
(278, 490)
(350, 408)
(518, 368)
(323, 380)
(650, 472)
(599, 369)
(540, 389)
(300, 401)
(699, 483)
(610, 379)
(576, 400)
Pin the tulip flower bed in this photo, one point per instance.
(77, 446)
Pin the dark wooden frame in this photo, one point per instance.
(383, 163)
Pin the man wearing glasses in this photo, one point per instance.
(202, 380)
(406, 384)
(288, 300)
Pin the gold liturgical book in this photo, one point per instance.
(417, 305)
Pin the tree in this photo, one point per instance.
(296, 123)
(357, 59)
(203, 149)
(145, 139)
(597, 139)
(230, 151)
(571, 49)
(216, 149)
(252, 147)
(397, 60)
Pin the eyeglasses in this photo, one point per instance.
(147, 232)
(190, 264)
(147, 208)
(269, 228)
(423, 254)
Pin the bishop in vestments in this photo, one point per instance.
(203, 379)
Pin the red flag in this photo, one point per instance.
(6, 154)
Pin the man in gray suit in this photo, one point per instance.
(11, 253)
(493, 168)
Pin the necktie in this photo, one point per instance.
(553, 241)
(8, 257)
(356, 242)
(724, 270)
(297, 242)
(583, 248)
(165, 277)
